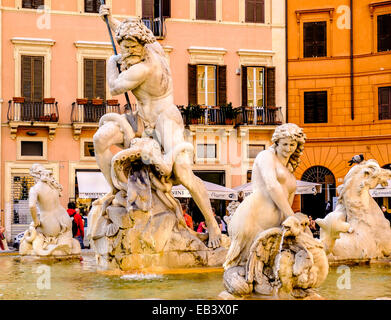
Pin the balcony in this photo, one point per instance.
(157, 26)
(225, 115)
(87, 113)
(39, 114)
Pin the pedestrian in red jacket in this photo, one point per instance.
(77, 223)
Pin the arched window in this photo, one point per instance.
(315, 205)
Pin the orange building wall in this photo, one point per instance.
(333, 143)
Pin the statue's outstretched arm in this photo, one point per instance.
(267, 170)
(127, 80)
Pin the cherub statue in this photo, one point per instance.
(51, 232)
(145, 72)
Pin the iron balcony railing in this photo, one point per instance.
(156, 25)
(215, 115)
(84, 110)
(43, 111)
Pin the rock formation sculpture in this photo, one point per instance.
(369, 231)
(50, 233)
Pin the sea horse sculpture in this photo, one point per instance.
(50, 234)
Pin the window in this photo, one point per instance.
(207, 85)
(206, 9)
(31, 148)
(153, 9)
(207, 151)
(384, 103)
(384, 32)
(91, 6)
(32, 4)
(255, 11)
(95, 78)
(258, 86)
(254, 149)
(315, 36)
(315, 107)
(88, 149)
(32, 76)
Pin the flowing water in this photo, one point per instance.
(80, 280)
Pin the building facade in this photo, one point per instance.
(53, 86)
(339, 88)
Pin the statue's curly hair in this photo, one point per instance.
(293, 131)
(131, 28)
(38, 171)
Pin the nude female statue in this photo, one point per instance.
(274, 187)
(146, 74)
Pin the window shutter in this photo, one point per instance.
(259, 11)
(222, 85)
(26, 77)
(200, 9)
(100, 79)
(315, 107)
(88, 78)
(384, 32)
(192, 84)
(384, 103)
(166, 8)
(91, 6)
(147, 9)
(38, 79)
(211, 10)
(250, 9)
(244, 86)
(315, 39)
(271, 87)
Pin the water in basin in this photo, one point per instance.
(80, 280)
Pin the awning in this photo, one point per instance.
(215, 191)
(92, 184)
(380, 192)
(302, 187)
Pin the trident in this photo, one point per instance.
(129, 116)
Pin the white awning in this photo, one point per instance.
(380, 192)
(92, 184)
(302, 187)
(215, 191)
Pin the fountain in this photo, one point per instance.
(139, 224)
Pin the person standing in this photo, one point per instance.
(77, 223)
(188, 218)
(386, 213)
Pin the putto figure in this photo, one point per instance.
(145, 72)
(50, 234)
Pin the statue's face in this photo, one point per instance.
(132, 52)
(286, 147)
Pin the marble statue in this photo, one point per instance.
(145, 72)
(274, 187)
(369, 232)
(272, 251)
(50, 232)
(139, 224)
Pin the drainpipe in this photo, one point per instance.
(351, 63)
(286, 60)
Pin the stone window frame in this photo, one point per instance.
(32, 47)
(19, 155)
(82, 155)
(315, 15)
(377, 9)
(91, 50)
